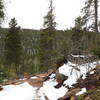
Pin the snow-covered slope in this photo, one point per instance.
(73, 74)
(25, 91)
(18, 92)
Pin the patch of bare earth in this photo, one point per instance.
(38, 82)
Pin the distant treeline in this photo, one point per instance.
(64, 43)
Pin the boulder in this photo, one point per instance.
(60, 79)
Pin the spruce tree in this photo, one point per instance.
(49, 19)
(46, 52)
(13, 46)
(1, 12)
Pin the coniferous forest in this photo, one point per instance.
(27, 51)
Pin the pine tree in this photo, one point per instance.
(13, 46)
(49, 25)
(46, 52)
(49, 22)
(91, 14)
(96, 15)
(1, 19)
(1, 11)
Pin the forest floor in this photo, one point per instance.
(42, 86)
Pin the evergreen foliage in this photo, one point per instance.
(49, 19)
(96, 51)
(34, 57)
(47, 39)
(13, 46)
(1, 11)
(36, 51)
(91, 15)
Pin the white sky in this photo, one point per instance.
(30, 13)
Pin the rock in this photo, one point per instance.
(60, 62)
(46, 98)
(1, 88)
(60, 79)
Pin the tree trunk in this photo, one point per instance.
(96, 15)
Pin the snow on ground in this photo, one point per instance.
(18, 92)
(67, 69)
(81, 92)
(77, 56)
(51, 92)
(74, 74)
(34, 77)
(25, 91)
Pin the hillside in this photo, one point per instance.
(53, 86)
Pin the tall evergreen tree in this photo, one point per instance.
(47, 38)
(96, 15)
(13, 46)
(49, 25)
(1, 19)
(49, 22)
(1, 11)
(91, 14)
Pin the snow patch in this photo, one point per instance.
(51, 92)
(74, 74)
(81, 92)
(18, 92)
(34, 77)
(92, 72)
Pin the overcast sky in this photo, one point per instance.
(30, 13)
